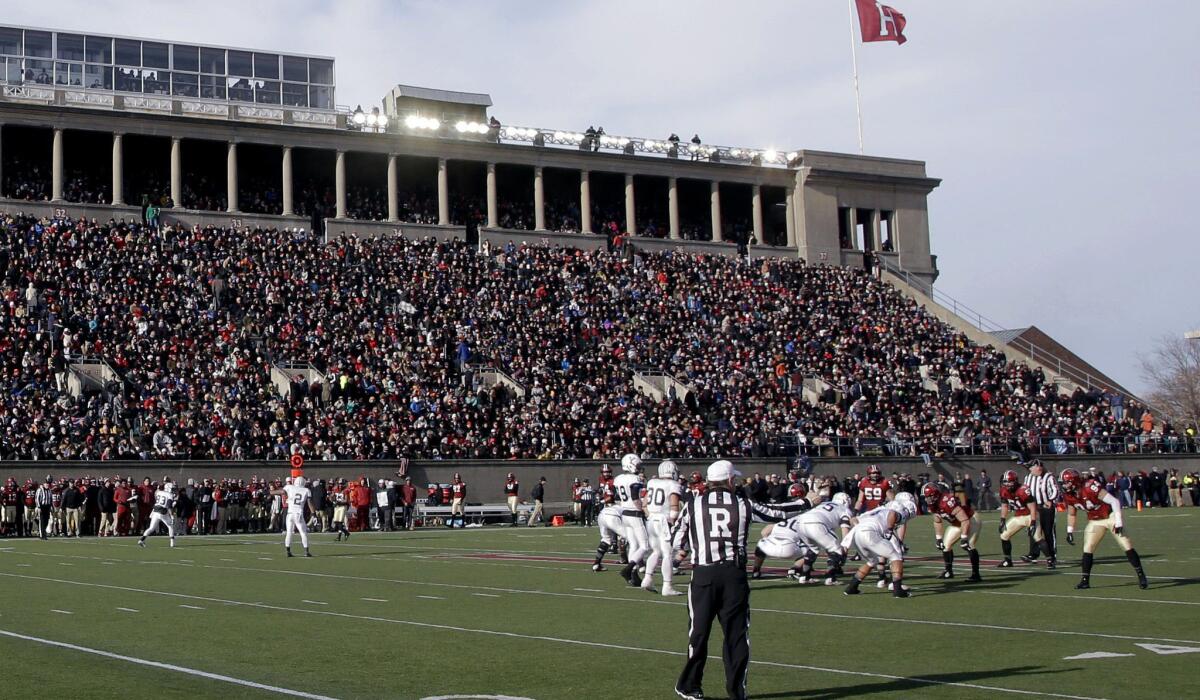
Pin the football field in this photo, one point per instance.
(517, 612)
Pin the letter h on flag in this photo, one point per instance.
(879, 22)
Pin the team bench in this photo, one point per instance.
(484, 513)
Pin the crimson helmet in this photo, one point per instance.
(1010, 478)
(873, 473)
(797, 490)
(510, 475)
(606, 470)
(696, 478)
(931, 493)
(1071, 480)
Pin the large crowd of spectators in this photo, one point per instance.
(192, 321)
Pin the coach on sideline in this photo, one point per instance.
(1044, 489)
(716, 525)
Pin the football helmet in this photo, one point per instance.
(697, 478)
(797, 490)
(1071, 480)
(841, 498)
(298, 482)
(630, 463)
(667, 469)
(1010, 479)
(905, 498)
(605, 470)
(874, 473)
(931, 493)
(909, 508)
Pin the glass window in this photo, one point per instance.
(37, 44)
(320, 97)
(295, 68)
(155, 55)
(128, 52)
(266, 65)
(267, 92)
(295, 94)
(68, 74)
(240, 63)
(70, 47)
(240, 89)
(157, 82)
(97, 77)
(320, 71)
(60, 74)
(41, 72)
(99, 50)
(212, 61)
(185, 57)
(212, 87)
(10, 41)
(185, 84)
(128, 79)
(12, 71)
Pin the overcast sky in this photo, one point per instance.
(1065, 132)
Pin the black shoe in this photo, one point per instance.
(689, 695)
(946, 574)
(307, 553)
(338, 538)
(974, 578)
(851, 591)
(1142, 582)
(1028, 559)
(635, 579)
(1006, 564)
(756, 575)
(289, 553)
(1051, 564)
(1082, 586)
(901, 593)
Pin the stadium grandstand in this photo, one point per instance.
(205, 257)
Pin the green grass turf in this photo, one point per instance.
(543, 628)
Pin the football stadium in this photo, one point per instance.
(394, 399)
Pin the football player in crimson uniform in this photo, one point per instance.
(1017, 512)
(511, 489)
(873, 490)
(962, 526)
(1104, 515)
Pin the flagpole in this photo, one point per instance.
(854, 61)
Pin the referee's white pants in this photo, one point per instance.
(636, 535)
(295, 521)
(659, 530)
(165, 519)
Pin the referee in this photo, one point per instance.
(1044, 489)
(715, 526)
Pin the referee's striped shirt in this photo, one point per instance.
(716, 526)
(1044, 489)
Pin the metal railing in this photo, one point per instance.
(1036, 353)
(983, 446)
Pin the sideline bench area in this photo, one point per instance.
(489, 513)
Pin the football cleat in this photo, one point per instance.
(1006, 564)
(902, 593)
(1051, 564)
(851, 591)
(1028, 559)
(1082, 586)
(756, 574)
(974, 578)
(881, 583)
(598, 567)
(668, 591)
(1142, 582)
(831, 581)
(946, 574)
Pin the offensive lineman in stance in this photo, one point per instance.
(1104, 515)
(963, 525)
(1017, 502)
(297, 496)
(164, 503)
(876, 540)
(662, 504)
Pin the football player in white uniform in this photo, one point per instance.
(629, 487)
(823, 528)
(164, 503)
(662, 497)
(609, 520)
(876, 540)
(297, 496)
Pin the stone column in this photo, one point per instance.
(851, 228)
(717, 233)
(630, 207)
(585, 202)
(176, 173)
(539, 200)
(56, 167)
(673, 206)
(339, 184)
(443, 193)
(756, 215)
(790, 215)
(393, 187)
(289, 208)
(118, 170)
(873, 231)
(493, 212)
(231, 178)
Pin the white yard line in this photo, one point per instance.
(167, 667)
(374, 600)
(515, 635)
(1084, 597)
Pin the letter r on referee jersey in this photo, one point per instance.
(719, 523)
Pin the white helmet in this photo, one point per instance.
(905, 498)
(298, 482)
(841, 499)
(630, 463)
(909, 508)
(169, 487)
(668, 470)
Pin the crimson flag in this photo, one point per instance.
(879, 22)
